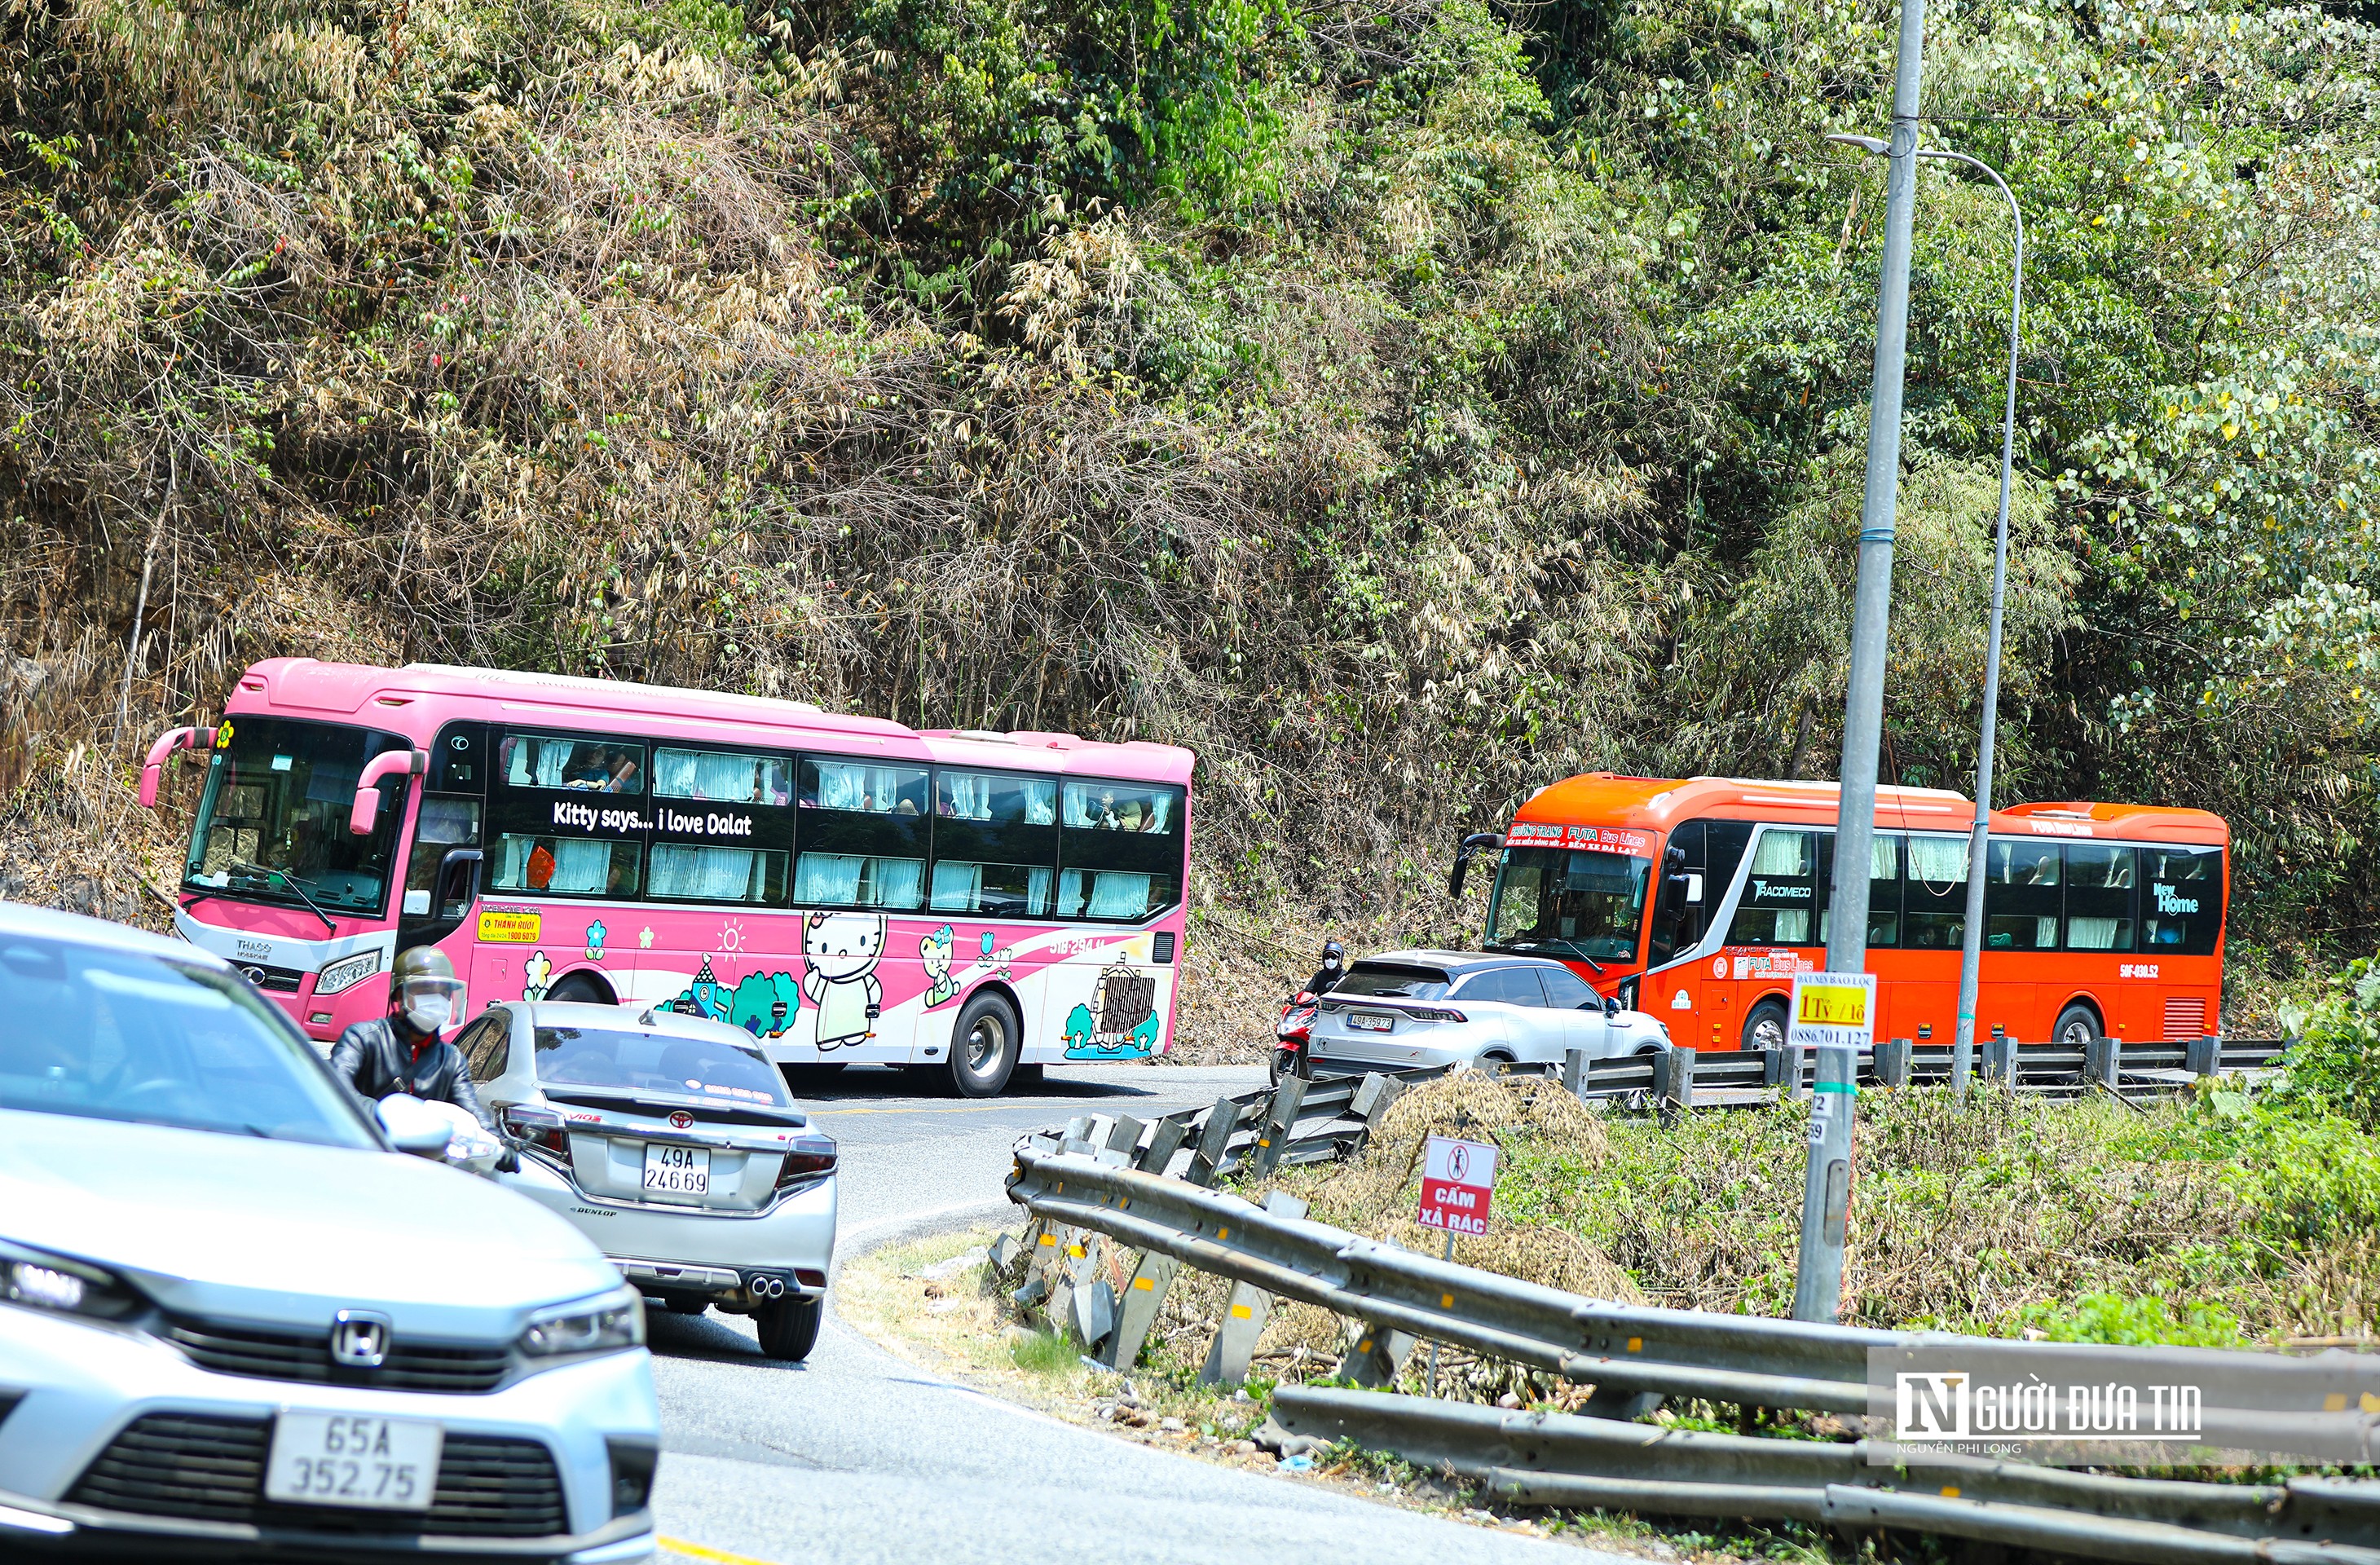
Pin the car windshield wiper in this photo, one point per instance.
(276, 878)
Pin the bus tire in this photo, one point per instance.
(984, 1046)
(1764, 1025)
(2076, 1024)
(581, 989)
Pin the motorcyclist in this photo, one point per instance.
(402, 1051)
(1334, 967)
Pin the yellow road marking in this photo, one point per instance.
(718, 1556)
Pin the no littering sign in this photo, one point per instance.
(1457, 1179)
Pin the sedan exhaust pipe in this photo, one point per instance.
(765, 1287)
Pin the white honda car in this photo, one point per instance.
(671, 1141)
(235, 1320)
(1414, 1010)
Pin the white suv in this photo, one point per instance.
(234, 1318)
(1417, 1010)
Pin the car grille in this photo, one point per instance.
(273, 1354)
(210, 1469)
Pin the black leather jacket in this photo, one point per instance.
(1324, 982)
(377, 1060)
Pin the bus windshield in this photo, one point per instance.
(1567, 902)
(272, 824)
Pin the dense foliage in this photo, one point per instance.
(1403, 403)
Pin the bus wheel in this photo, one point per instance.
(984, 1046)
(580, 990)
(1765, 1027)
(2077, 1025)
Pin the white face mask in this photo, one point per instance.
(428, 1013)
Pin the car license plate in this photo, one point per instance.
(342, 1459)
(1370, 1021)
(677, 1171)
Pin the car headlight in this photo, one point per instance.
(346, 972)
(608, 1325)
(62, 1286)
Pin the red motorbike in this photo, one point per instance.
(1293, 1036)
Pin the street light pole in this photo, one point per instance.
(1872, 603)
(1963, 1051)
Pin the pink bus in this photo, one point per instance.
(847, 890)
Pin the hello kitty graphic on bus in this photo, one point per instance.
(844, 890)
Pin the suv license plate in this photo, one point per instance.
(1370, 1021)
(344, 1459)
(677, 1171)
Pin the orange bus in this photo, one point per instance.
(1698, 899)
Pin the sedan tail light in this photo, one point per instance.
(540, 1128)
(806, 1157)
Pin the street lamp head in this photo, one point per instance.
(1867, 144)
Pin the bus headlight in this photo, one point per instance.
(346, 972)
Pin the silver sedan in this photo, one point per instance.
(1410, 1009)
(671, 1142)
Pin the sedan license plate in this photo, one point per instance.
(346, 1459)
(1370, 1021)
(677, 1171)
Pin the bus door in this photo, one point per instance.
(1680, 986)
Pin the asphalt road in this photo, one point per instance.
(857, 1456)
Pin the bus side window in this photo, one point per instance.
(2099, 896)
(1777, 899)
(1934, 915)
(2023, 894)
(2181, 900)
(1884, 889)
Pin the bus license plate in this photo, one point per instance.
(340, 1459)
(1370, 1021)
(677, 1171)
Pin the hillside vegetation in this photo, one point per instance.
(1403, 403)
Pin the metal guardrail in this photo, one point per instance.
(1630, 1354)
(1595, 1463)
(1302, 1120)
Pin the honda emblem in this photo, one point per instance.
(681, 1120)
(360, 1338)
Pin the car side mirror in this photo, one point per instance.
(1612, 1005)
(414, 1127)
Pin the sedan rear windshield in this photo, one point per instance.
(114, 1035)
(1391, 982)
(657, 1065)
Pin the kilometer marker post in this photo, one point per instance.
(1834, 1012)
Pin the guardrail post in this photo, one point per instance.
(2103, 1061)
(1281, 1118)
(1573, 1070)
(1124, 1135)
(2204, 1056)
(1165, 1141)
(1244, 1315)
(1796, 1067)
(1378, 1355)
(1893, 1063)
(1214, 1142)
(1999, 1058)
(1373, 1095)
(1772, 1067)
(1827, 1187)
(1143, 1297)
(1673, 1078)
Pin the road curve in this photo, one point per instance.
(857, 1456)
